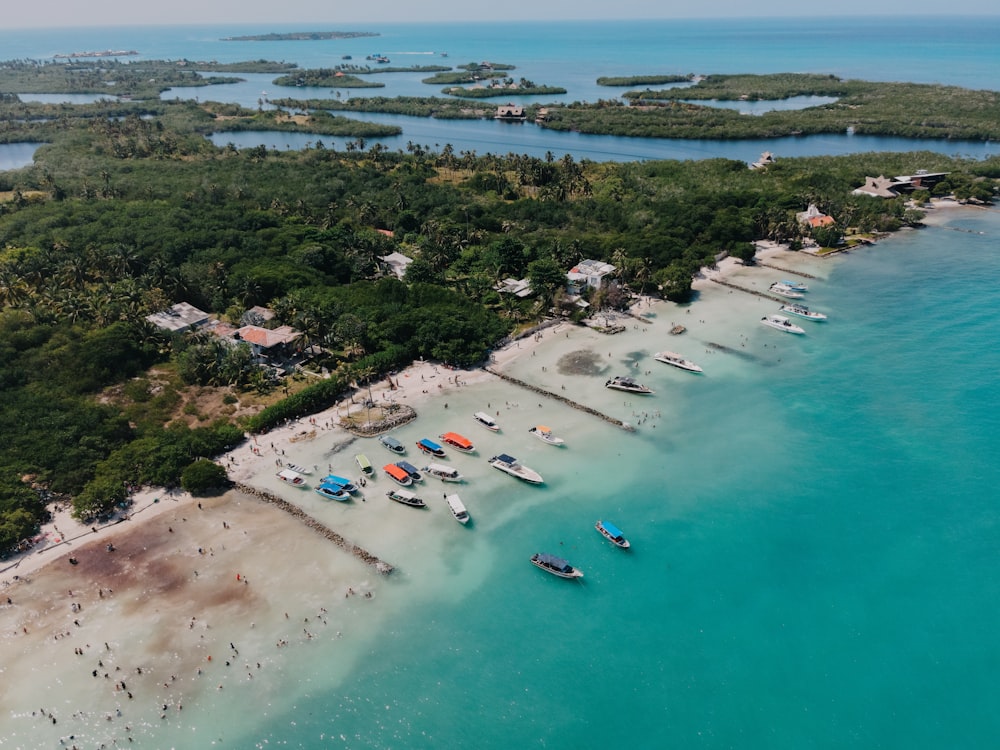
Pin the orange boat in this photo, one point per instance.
(398, 474)
(457, 441)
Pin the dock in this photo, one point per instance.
(359, 552)
(803, 274)
(739, 288)
(549, 394)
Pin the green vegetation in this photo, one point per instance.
(295, 36)
(485, 67)
(128, 208)
(653, 80)
(414, 106)
(455, 78)
(203, 477)
(328, 78)
(505, 87)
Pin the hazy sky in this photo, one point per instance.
(338, 14)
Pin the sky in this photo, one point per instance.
(62, 13)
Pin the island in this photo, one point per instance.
(300, 36)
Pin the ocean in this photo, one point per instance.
(813, 532)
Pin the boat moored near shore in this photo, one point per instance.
(781, 323)
(412, 471)
(364, 464)
(292, 478)
(544, 434)
(555, 565)
(430, 448)
(457, 508)
(405, 497)
(486, 421)
(510, 465)
(783, 290)
(802, 311)
(343, 482)
(458, 442)
(398, 475)
(332, 492)
(623, 383)
(613, 534)
(392, 444)
(675, 359)
(443, 472)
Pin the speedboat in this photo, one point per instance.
(781, 323)
(288, 476)
(555, 565)
(486, 421)
(411, 471)
(510, 465)
(544, 434)
(392, 444)
(443, 472)
(802, 311)
(333, 492)
(299, 469)
(430, 448)
(675, 359)
(458, 442)
(398, 475)
(795, 286)
(406, 498)
(457, 508)
(612, 533)
(622, 383)
(784, 290)
(343, 482)
(364, 464)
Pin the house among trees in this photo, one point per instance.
(766, 159)
(510, 112)
(180, 318)
(813, 218)
(886, 187)
(397, 263)
(588, 274)
(267, 344)
(520, 288)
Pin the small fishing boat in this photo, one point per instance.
(675, 359)
(458, 442)
(613, 534)
(343, 482)
(781, 323)
(622, 383)
(405, 497)
(332, 492)
(410, 470)
(364, 464)
(398, 475)
(795, 286)
(544, 434)
(430, 448)
(785, 291)
(510, 465)
(299, 469)
(802, 311)
(443, 472)
(486, 421)
(288, 476)
(392, 444)
(555, 565)
(457, 508)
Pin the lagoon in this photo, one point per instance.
(17, 155)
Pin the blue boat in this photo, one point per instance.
(345, 484)
(411, 470)
(612, 533)
(430, 447)
(795, 286)
(333, 492)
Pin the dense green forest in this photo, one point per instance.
(128, 209)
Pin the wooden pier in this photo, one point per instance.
(563, 399)
(803, 274)
(359, 552)
(739, 288)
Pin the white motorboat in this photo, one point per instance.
(457, 508)
(783, 290)
(486, 421)
(293, 478)
(555, 565)
(622, 383)
(544, 434)
(802, 311)
(299, 469)
(405, 497)
(781, 323)
(675, 359)
(795, 286)
(443, 472)
(510, 465)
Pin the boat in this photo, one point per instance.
(392, 444)
(510, 465)
(544, 434)
(333, 492)
(343, 482)
(406, 498)
(785, 291)
(486, 421)
(293, 478)
(411, 471)
(555, 565)
(398, 475)
(781, 323)
(443, 472)
(364, 464)
(795, 286)
(430, 448)
(458, 442)
(299, 469)
(622, 383)
(802, 311)
(457, 508)
(675, 359)
(612, 533)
